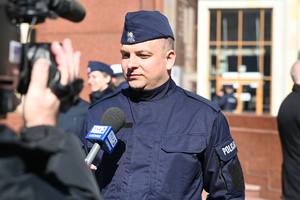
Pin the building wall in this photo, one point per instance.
(259, 151)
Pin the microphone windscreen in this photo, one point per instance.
(114, 117)
(71, 10)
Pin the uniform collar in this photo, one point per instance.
(158, 93)
(95, 96)
(296, 88)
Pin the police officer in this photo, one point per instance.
(99, 78)
(218, 96)
(228, 102)
(73, 118)
(118, 80)
(175, 143)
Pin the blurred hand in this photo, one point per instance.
(93, 167)
(41, 105)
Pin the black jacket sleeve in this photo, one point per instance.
(44, 163)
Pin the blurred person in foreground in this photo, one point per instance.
(118, 80)
(99, 78)
(45, 162)
(174, 143)
(288, 121)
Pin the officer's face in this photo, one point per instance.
(146, 65)
(98, 81)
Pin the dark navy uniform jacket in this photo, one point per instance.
(228, 102)
(95, 96)
(123, 85)
(73, 119)
(178, 145)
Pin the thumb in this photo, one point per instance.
(39, 75)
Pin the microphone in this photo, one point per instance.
(103, 135)
(69, 9)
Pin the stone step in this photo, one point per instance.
(252, 192)
(254, 198)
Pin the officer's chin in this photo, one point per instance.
(133, 84)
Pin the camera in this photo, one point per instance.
(17, 59)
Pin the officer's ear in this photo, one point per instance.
(170, 59)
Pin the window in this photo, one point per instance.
(240, 48)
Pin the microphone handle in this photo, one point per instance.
(92, 154)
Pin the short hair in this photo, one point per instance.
(105, 74)
(170, 43)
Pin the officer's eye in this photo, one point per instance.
(144, 56)
(125, 56)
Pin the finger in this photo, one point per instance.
(61, 61)
(77, 56)
(39, 75)
(93, 167)
(67, 45)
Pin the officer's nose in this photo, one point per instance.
(133, 62)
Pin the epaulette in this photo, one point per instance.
(202, 99)
(106, 97)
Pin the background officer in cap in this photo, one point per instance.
(99, 77)
(118, 80)
(73, 118)
(218, 96)
(228, 102)
(175, 143)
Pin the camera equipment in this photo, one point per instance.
(17, 59)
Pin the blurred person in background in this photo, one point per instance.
(99, 78)
(228, 102)
(73, 119)
(118, 80)
(218, 96)
(288, 121)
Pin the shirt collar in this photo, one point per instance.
(158, 93)
(296, 88)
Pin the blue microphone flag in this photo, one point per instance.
(103, 135)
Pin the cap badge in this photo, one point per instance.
(130, 37)
(89, 69)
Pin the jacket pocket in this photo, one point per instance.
(181, 169)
